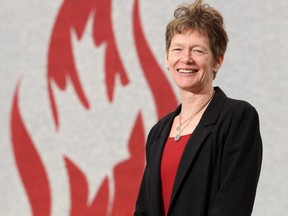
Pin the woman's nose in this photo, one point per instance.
(187, 56)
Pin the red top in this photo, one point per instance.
(169, 164)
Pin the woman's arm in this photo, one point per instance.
(240, 167)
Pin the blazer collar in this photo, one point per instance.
(210, 115)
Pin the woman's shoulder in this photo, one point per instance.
(238, 104)
(232, 103)
(226, 106)
(238, 109)
(161, 124)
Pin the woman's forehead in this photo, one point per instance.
(190, 36)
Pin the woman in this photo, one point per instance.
(205, 157)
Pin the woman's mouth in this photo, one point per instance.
(187, 70)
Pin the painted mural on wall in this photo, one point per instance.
(91, 158)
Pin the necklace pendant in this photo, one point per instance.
(177, 137)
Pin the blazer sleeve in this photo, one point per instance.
(143, 202)
(142, 206)
(240, 166)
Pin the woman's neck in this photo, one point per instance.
(193, 102)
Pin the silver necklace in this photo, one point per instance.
(180, 124)
(178, 128)
(178, 136)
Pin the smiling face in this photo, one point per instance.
(191, 62)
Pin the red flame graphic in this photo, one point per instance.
(61, 67)
(30, 166)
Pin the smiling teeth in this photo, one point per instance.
(186, 71)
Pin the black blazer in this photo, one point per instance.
(220, 166)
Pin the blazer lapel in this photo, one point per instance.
(192, 147)
(197, 138)
(155, 156)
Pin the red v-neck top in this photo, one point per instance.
(169, 165)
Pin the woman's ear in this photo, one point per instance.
(218, 63)
(166, 60)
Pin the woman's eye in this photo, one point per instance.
(198, 51)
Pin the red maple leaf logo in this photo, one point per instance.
(62, 68)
